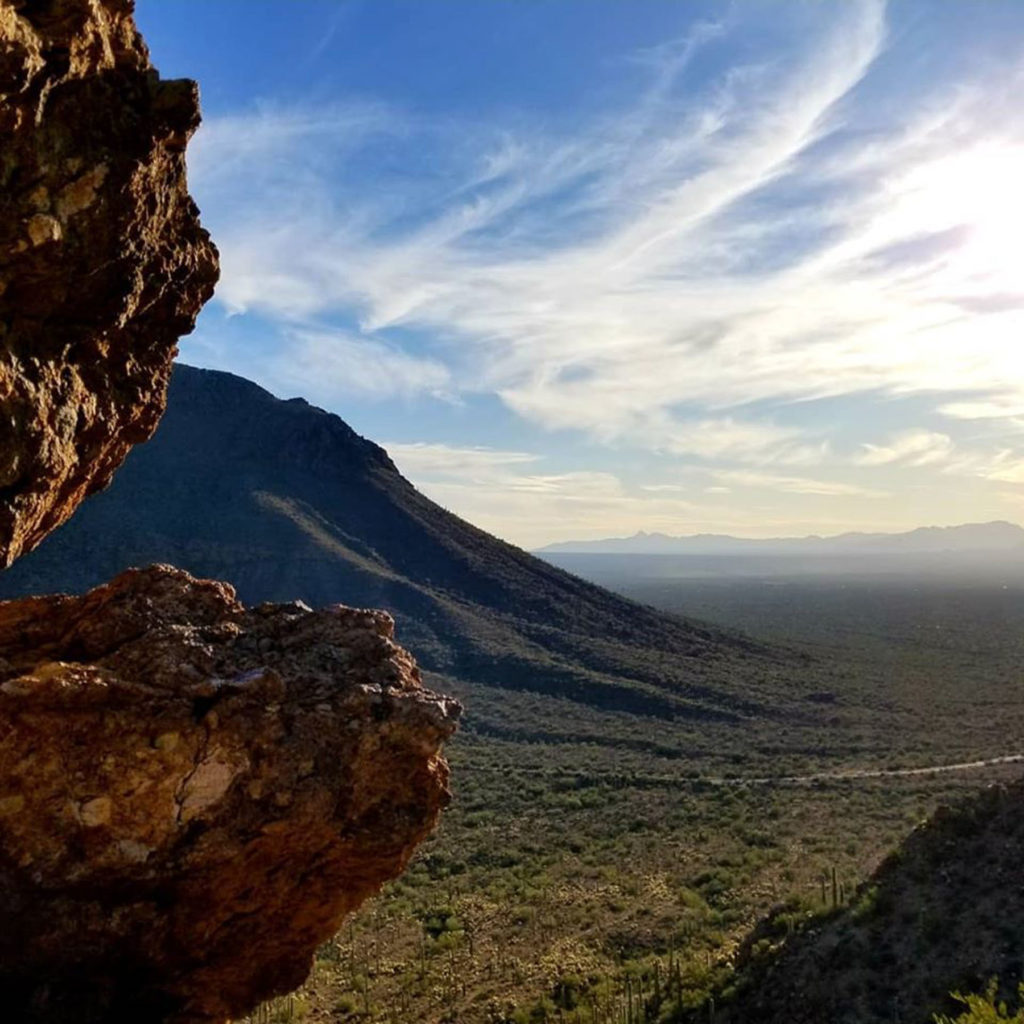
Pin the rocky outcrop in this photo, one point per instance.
(192, 794)
(195, 793)
(103, 263)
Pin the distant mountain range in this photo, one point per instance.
(286, 502)
(971, 537)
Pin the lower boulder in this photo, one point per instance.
(193, 794)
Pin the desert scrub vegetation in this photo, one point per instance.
(280, 1011)
(585, 867)
(526, 907)
(985, 1008)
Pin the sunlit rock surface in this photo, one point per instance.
(103, 263)
(193, 794)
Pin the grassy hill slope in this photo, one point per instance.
(944, 912)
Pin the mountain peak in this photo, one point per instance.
(286, 501)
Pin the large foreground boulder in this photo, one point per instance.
(103, 263)
(193, 794)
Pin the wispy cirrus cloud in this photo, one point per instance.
(793, 484)
(920, 449)
(445, 460)
(672, 275)
(324, 363)
(910, 447)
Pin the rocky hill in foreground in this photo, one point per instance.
(203, 791)
(285, 501)
(943, 913)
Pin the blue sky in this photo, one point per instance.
(587, 267)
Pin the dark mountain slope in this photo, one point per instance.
(286, 501)
(943, 913)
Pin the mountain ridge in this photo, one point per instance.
(997, 535)
(287, 502)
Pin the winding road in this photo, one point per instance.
(861, 773)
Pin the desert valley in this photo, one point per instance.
(545, 547)
(657, 795)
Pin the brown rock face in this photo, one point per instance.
(103, 264)
(193, 794)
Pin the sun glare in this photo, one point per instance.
(981, 191)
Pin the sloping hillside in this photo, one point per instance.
(287, 502)
(944, 912)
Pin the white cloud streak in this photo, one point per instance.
(794, 484)
(328, 363)
(650, 277)
(911, 448)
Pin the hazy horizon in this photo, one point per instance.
(588, 269)
(923, 527)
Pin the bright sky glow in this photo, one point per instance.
(588, 266)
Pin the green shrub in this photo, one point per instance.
(985, 1009)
